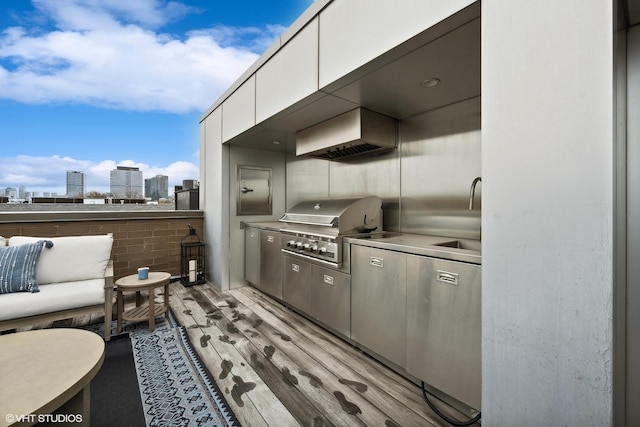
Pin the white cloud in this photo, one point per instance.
(105, 14)
(108, 53)
(48, 174)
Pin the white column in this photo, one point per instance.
(547, 212)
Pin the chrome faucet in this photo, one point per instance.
(472, 192)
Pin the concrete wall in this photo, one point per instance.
(547, 220)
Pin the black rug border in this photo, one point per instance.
(101, 415)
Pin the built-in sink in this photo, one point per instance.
(462, 244)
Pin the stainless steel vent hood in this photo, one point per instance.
(350, 134)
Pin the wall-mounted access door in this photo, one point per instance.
(254, 192)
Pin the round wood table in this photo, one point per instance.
(141, 313)
(45, 376)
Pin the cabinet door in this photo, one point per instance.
(252, 255)
(271, 263)
(443, 326)
(296, 289)
(378, 301)
(331, 298)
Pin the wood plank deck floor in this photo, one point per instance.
(276, 368)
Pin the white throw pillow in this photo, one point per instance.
(71, 258)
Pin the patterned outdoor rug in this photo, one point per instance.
(175, 388)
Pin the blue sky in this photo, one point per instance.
(92, 84)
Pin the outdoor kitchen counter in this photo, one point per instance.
(417, 244)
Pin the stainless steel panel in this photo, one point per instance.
(307, 178)
(349, 134)
(252, 255)
(296, 287)
(376, 174)
(234, 235)
(441, 156)
(378, 302)
(271, 263)
(331, 298)
(254, 192)
(239, 110)
(290, 75)
(443, 326)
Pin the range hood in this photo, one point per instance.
(356, 132)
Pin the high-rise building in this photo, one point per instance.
(11, 192)
(157, 187)
(75, 184)
(126, 182)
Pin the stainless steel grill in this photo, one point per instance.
(314, 229)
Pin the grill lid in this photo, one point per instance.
(345, 215)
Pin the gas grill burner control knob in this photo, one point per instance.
(291, 242)
(306, 246)
(313, 248)
(298, 245)
(322, 251)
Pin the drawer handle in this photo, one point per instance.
(328, 279)
(295, 267)
(376, 262)
(447, 277)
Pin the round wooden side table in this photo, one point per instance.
(141, 313)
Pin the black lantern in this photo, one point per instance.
(192, 259)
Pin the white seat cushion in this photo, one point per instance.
(51, 298)
(71, 258)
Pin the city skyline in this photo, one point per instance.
(89, 85)
(161, 188)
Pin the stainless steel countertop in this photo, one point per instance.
(418, 244)
(267, 225)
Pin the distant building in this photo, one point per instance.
(156, 188)
(75, 184)
(126, 182)
(190, 184)
(11, 192)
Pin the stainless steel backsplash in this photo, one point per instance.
(424, 184)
